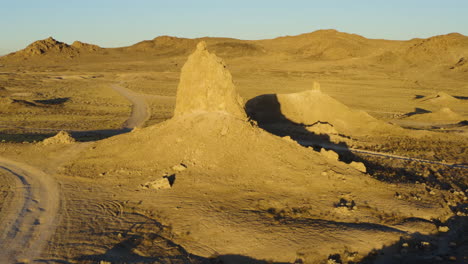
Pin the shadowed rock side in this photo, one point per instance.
(244, 191)
(206, 85)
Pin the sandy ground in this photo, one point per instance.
(232, 203)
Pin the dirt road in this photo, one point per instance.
(30, 218)
(140, 110)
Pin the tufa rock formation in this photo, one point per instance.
(206, 86)
(315, 111)
(236, 165)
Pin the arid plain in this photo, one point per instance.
(325, 147)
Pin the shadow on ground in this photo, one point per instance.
(80, 136)
(266, 111)
(444, 247)
(449, 247)
(132, 250)
(53, 101)
(417, 111)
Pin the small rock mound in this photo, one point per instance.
(440, 98)
(206, 86)
(316, 111)
(62, 137)
(444, 115)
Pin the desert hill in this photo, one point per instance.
(327, 45)
(52, 47)
(164, 45)
(174, 46)
(319, 45)
(443, 49)
(233, 188)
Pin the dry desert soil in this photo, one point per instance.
(325, 147)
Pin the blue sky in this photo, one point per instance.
(113, 23)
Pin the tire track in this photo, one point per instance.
(30, 218)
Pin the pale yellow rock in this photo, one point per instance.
(329, 154)
(358, 166)
(62, 137)
(206, 85)
(316, 86)
(179, 167)
(443, 229)
(158, 184)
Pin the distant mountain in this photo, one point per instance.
(168, 45)
(165, 44)
(327, 45)
(449, 50)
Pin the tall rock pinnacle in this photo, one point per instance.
(206, 85)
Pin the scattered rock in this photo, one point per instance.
(179, 167)
(425, 244)
(443, 229)
(288, 138)
(62, 137)
(329, 154)
(158, 184)
(358, 166)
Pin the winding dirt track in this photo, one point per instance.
(140, 110)
(30, 218)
